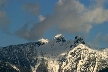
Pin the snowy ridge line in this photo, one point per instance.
(56, 55)
(43, 40)
(58, 35)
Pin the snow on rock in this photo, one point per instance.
(43, 40)
(79, 39)
(53, 66)
(15, 67)
(105, 51)
(84, 59)
(60, 55)
(59, 38)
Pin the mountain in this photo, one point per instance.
(83, 59)
(55, 55)
(7, 67)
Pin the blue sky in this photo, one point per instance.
(23, 21)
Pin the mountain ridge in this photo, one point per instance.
(57, 55)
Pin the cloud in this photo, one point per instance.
(96, 42)
(99, 40)
(32, 8)
(75, 17)
(2, 2)
(4, 19)
(99, 3)
(105, 39)
(36, 31)
(70, 16)
(41, 18)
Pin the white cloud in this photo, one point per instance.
(71, 16)
(75, 17)
(41, 18)
(96, 16)
(36, 31)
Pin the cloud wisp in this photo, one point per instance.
(98, 40)
(4, 19)
(70, 16)
(32, 8)
(36, 31)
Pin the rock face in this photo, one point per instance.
(59, 38)
(79, 39)
(6, 67)
(42, 66)
(22, 55)
(57, 55)
(104, 70)
(84, 59)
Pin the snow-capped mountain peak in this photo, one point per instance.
(59, 38)
(43, 40)
(58, 35)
